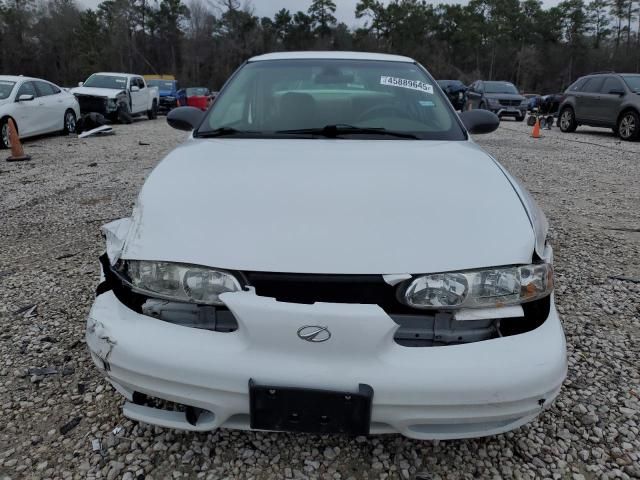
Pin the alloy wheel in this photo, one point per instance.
(566, 119)
(627, 126)
(70, 122)
(5, 135)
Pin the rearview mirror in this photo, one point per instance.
(25, 97)
(80, 84)
(480, 121)
(616, 91)
(185, 118)
(135, 88)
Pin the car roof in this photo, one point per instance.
(116, 73)
(325, 55)
(15, 78)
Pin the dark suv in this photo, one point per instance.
(610, 100)
(502, 98)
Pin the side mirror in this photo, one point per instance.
(25, 97)
(135, 88)
(80, 84)
(480, 121)
(616, 91)
(185, 118)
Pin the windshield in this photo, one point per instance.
(161, 84)
(273, 96)
(106, 81)
(197, 92)
(633, 82)
(500, 87)
(5, 89)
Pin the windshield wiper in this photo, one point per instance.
(223, 132)
(333, 131)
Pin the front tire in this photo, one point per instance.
(70, 122)
(629, 126)
(567, 120)
(520, 119)
(124, 114)
(153, 113)
(4, 134)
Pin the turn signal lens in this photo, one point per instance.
(495, 287)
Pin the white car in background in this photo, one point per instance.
(331, 252)
(36, 106)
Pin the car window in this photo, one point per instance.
(577, 85)
(45, 89)
(500, 87)
(140, 83)
(6, 88)
(27, 88)
(611, 83)
(106, 81)
(592, 85)
(161, 84)
(271, 96)
(633, 82)
(197, 91)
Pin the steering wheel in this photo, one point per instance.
(376, 110)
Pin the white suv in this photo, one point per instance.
(330, 252)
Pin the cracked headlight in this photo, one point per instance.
(492, 287)
(179, 282)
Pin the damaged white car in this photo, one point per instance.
(330, 252)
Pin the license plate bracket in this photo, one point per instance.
(306, 410)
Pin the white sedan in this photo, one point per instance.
(331, 252)
(36, 106)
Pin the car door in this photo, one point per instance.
(474, 94)
(139, 98)
(612, 94)
(588, 99)
(51, 106)
(28, 112)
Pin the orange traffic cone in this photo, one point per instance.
(536, 129)
(17, 153)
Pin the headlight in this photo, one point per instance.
(494, 287)
(179, 282)
(493, 102)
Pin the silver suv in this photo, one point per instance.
(610, 100)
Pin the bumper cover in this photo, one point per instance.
(459, 391)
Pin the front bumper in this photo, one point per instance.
(168, 103)
(459, 391)
(510, 111)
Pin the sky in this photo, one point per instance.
(344, 11)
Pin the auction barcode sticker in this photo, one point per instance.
(405, 83)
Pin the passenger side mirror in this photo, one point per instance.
(80, 84)
(616, 91)
(25, 97)
(185, 118)
(135, 88)
(480, 121)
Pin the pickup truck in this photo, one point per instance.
(168, 92)
(118, 96)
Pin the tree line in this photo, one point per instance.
(203, 41)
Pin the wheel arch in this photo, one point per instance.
(625, 109)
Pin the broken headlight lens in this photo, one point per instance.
(179, 282)
(492, 287)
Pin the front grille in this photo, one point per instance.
(510, 103)
(311, 288)
(90, 104)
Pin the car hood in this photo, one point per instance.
(96, 92)
(505, 96)
(4, 101)
(330, 206)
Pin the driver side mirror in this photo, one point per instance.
(25, 97)
(80, 84)
(616, 91)
(480, 121)
(185, 118)
(135, 88)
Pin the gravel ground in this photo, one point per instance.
(53, 403)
